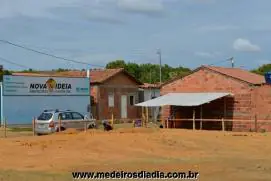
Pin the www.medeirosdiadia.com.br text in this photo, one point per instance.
(190, 175)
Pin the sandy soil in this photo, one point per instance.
(216, 155)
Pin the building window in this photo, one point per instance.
(132, 100)
(141, 96)
(111, 100)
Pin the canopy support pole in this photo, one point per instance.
(194, 123)
(147, 116)
(225, 114)
(201, 117)
(143, 117)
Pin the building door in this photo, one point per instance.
(123, 106)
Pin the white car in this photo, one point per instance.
(48, 121)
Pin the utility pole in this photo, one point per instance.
(89, 107)
(1, 96)
(232, 62)
(160, 63)
(150, 77)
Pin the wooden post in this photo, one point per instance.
(59, 124)
(34, 126)
(225, 114)
(5, 127)
(86, 124)
(223, 124)
(143, 117)
(256, 123)
(194, 123)
(201, 117)
(112, 119)
(147, 116)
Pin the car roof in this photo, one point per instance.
(56, 111)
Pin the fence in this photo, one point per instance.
(16, 130)
(255, 125)
(252, 125)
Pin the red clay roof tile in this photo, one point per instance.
(148, 86)
(96, 76)
(236, 73)
(240, 74)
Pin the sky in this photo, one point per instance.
(190, 33)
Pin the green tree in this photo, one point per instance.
(262, 69)
(149, 73)
(29, 71)
(4, 72)
(116, 64)
(133, 69)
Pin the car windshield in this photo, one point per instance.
(45, 116)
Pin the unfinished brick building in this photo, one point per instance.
(251, 98)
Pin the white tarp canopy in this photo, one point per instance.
(183, 99)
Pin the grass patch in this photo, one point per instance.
(20, 129)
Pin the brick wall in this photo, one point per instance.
(94, 92)
(105, 110)
(239, 107)
(119, 85)
(262, 105)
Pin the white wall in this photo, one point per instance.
(26, 97)
(148, 93)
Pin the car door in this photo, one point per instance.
(66, 119)
(78, 120)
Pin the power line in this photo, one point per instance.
(11, 62)
(160, 64)
(223, 61)
(47, 54)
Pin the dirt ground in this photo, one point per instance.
(219, 156)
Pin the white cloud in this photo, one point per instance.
(217, 28)
(31, 8)
(245, 45)
(207, 54)
(94, 10)
(141, 6)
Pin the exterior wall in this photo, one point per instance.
(106, 111)
(240, 107)
(119, 85)
(262, 106)
(121, 79)
(148, 94)
(94, 93)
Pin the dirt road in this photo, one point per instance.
(216, 155)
